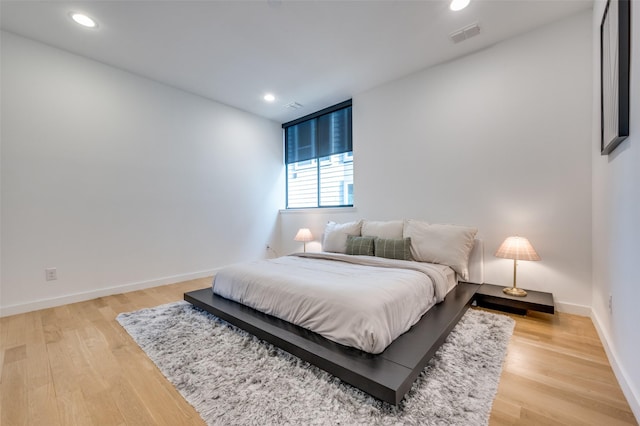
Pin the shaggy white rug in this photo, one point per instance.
(232, 378)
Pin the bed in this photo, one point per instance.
(363, 302)
(373, 322)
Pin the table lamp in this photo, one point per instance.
(305, 236)
(516, 248)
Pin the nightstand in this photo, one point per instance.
(491, 296)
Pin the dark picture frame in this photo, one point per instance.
(615, 36)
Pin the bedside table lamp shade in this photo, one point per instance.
(516, 248)
(305, 236)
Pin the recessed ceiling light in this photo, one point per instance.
(84, 20)
(458, 4)
(269, 97)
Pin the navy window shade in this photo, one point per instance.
(319, 135)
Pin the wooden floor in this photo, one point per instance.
(74, 364)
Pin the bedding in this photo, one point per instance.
(449, 245)
(393, 248)
(362, 246)
(335, 235)
(360, 301)
(450, 275)
(391, 229)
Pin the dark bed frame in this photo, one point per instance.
(387, 376)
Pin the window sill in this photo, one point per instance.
(319, 210)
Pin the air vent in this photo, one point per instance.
(293, 105)
(465, 33)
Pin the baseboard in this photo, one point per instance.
(572, 308)
(632, 394)
(107, 291)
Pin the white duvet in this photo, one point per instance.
(360, 301)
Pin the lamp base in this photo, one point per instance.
(514, 291)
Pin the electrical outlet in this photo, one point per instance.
(610, 304)
(51, 274)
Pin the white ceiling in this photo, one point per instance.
(316, 53)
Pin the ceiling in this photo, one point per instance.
(316, 53)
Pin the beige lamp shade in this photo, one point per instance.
(517, 248)
(303, 235)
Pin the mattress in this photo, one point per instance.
(360, 301)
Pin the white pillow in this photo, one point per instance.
(444, 244)
(390, 230)
(335, 235)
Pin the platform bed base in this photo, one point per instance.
(387, 376)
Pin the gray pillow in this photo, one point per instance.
(393, 249)
(360, 245)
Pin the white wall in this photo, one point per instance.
(499, 140)
(616, 227)
(121, 182)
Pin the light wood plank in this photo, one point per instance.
(74, 364)
(14, 402)
(556, 372)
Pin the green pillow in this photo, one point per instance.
(360, 245)
(393, 249)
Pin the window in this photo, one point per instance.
(319, 159)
